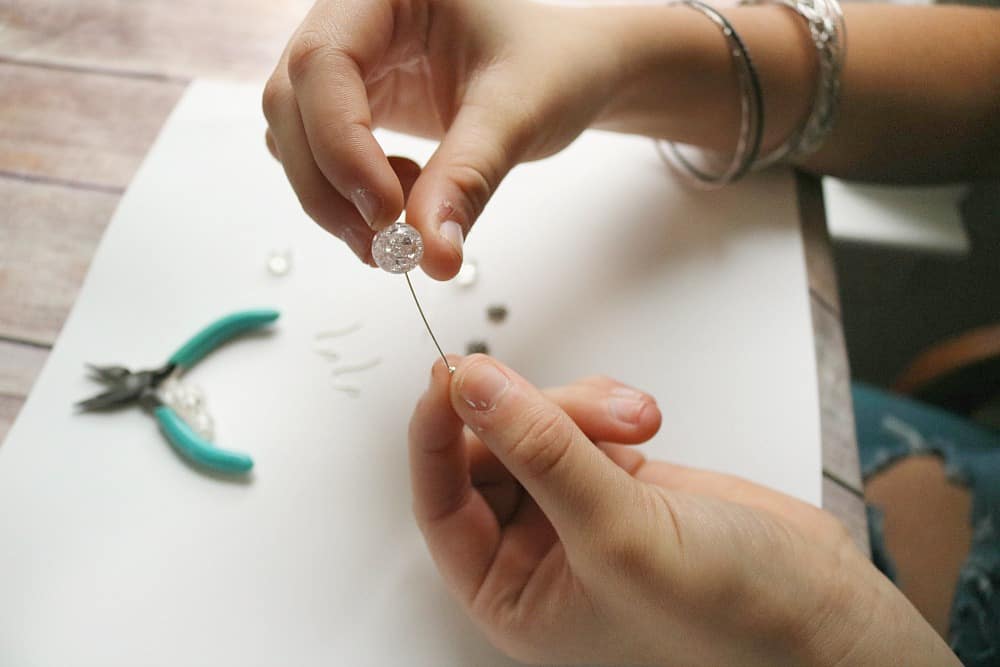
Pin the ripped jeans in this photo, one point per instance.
(892, 427)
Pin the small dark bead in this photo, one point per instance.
(496, 313)
(477, 347)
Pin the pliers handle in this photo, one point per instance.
(218, 332)
(197, 449)
(181, 436)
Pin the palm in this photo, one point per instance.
(435, 64)
(530, 569)
(414, 87)
(399, 94)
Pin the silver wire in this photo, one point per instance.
(451, 369)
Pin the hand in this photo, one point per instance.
(498, 82)
(565, 548)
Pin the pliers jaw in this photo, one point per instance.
(125, 386)
(108, 374)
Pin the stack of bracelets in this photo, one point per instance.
(825, 22)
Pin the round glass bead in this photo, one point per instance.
(188, 402)
(397, 248)
(468, 274)
(279, 263)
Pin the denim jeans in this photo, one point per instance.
(892, 427)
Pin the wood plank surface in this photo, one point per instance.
(19, 366)
(48, 234)
(79, 127)
(176, 38)
(840, 445)
(9, 407)
(816, 240)
(850, 509)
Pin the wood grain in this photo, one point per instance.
(840, 444)
(850, 509)
(816, 240)
(19, 366)
(79, 127)
(48, 235)
(178, 38)
(841, 470)
(9, 407)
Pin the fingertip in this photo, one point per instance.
(443, 219)
(650, 417)
(441, 261)
(650, 420)
(353, 162)
(635, 412)
(477, 384)
(443, 372)
(381, 203)
(434, 414)
(462, 365)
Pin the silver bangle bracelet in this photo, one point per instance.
(825, 21)
(751, 112)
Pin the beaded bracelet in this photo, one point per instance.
(825, 21)
(751, 112)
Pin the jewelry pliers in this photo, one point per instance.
(126, 386)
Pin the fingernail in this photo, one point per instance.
(626, 410)
(367, 203)
(628, 392)
(483, 386)
(452, 233)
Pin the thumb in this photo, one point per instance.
(480, 148)
(575, 484)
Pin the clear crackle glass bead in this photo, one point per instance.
(189, 403)
(398, 248)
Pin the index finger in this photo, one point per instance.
(339, 41)
(461, 530)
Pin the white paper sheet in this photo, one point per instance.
(115, 552)
(925, 218)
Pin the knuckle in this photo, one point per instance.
(339, 141)
(514, 632)
(313, 205)
(274, 98)
(306, 48)
(546, 442)
(476, 182)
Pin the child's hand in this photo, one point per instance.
(498, 82)
(567, 549)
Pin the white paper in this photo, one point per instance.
(115, 552)
(917, 218)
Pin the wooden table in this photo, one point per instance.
(84, 89)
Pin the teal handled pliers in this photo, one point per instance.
(125, 387)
